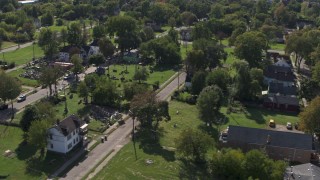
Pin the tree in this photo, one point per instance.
(219, 77)
(64, 36)
(37, 135)
(105, 92)
(141, 74)
(99, 32)
(48, 41)
(47, 19)
(242, 80)
(209, 103)
(106, 47)
(300, 46)
(188, 18)
(309, 121)
(96, 59)
(75, 34)
(196, 61)
(249, 46)
(160, 13)
(193, 144)
(77, 65)
(49, 76)
(201, 31)
(147, 34)
(198, 82)
(149, 111)
(83, 91)
(10, 88)
(29, 115)
(132, 88)
(213, 51)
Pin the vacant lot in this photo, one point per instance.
(24, 81)
(23, 55)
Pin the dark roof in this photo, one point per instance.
(86, 48)
(280, 99)
(306, 171)
(278, 88)
(279, 73)
(69, 124)
(66, 49)
(276, 138)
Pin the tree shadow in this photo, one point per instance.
(152, 146)
(192, 170)
(256, 115)
(25, 151)
(85, 110)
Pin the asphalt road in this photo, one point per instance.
(41, 93)
(116, 140)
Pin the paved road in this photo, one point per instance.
(41, 93)
(116, 140)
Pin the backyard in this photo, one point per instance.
(166, 164)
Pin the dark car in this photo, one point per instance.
(22, 98)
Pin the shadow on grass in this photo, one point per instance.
(85, 110)
(191, 170)
(151, 146)
(25, 151)
(161, 68)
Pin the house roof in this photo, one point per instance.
(68, 48)
(306, 171)
(275, 138)
(86, 48)
(278, 88)
(280, 99)
(279, 73)
(69, 124)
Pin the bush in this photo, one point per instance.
(59, 22)
(12, 65)
(186, 97)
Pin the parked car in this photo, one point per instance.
(289, 126)
(22, 98)
(224, 136)
(272, 123)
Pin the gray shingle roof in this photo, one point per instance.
(276, 88)
(277, 138)
(69, 124)
(280, 99)
(306, 171)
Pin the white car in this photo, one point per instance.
(22, 98)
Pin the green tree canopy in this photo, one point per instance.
(209, 103)
(249, 46)
(309, 121)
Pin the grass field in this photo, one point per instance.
(166, 163)
(7, 44)
(25, 163)
(184, 50)
(23, 55)
(280, 47)
(24, 81)
(231, 57)
(159, 74)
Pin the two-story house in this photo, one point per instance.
(65, 135)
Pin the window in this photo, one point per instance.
(74, 132)
(74, 141)
(51, 146)
(69, 137)
(69, 145)
(50, 135)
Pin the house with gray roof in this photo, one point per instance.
(279, 145)
(65, 135)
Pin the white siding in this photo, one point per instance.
(57, 142)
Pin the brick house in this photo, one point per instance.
(279, 145)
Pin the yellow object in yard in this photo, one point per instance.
(272, 123)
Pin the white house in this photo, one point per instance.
(65, 135)
(84, 52)
(283, 63)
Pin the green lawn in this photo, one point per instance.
(57, 28)
(231, 57)
(278, 46)
(166, 163)
(225, 42)
(23, 55)
(22, 165)
(7, 44)
(184, 50)
(24, 81)
(159, 74)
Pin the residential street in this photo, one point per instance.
(116, 140)
(5, 114)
